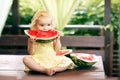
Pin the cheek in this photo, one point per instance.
(41, 28)
(38, 27)
(50, 27)
(35, 27)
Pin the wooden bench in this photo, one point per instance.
(17, 44)
(12, 65)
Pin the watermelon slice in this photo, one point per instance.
(65, 52)
(42, 36)
(84, 60)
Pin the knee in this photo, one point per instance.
(25, 59)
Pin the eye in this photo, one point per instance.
(41, 25)
(48, 24)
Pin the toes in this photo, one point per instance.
(51, 72)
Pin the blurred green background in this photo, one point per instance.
(89, 12)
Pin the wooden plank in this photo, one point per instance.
(79, 41)
(8, 78)
(90, 51)
(12, 65)
(85, 27)
(14, 62)
(66, 75)
(17, 44)
(108, 39)
(83, 41)
(15, 17)
(108, 52)
(14, 51)
(24, 52)
(76, 41)
(67, 26)
(13, 40)
(70, 75)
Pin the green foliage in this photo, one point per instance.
(9, 19)
(27, 8)
(115, 18)
(109, 27)
(89, 12)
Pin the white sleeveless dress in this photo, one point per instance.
(45, 55)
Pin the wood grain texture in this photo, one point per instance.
(12, 65)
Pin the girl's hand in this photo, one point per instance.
(60, 33)
(33, 39)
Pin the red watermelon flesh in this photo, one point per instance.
(64, 52)
(84, 59)
(42, 36)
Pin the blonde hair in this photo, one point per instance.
(36, 17)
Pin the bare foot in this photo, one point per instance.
(50, 71)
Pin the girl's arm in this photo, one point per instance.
(57, 44)
(30, 47)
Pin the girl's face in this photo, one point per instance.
(44, 23)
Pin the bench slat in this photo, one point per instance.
(14, 51)
(17, 44)
(83, 41)
(74, 41)
(13, 40)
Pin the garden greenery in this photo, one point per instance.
(89, 12)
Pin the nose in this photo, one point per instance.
(45, 28)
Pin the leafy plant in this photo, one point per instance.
(26, 10)
(89, 12)
(115, 19)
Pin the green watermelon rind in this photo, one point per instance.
(68, 53)
(80, 63)
(43, 40)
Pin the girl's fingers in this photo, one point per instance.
(33, 38)
(60, 33)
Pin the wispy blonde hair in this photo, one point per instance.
(37, 15)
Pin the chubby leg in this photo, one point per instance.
(31, 64)
(65, 64)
